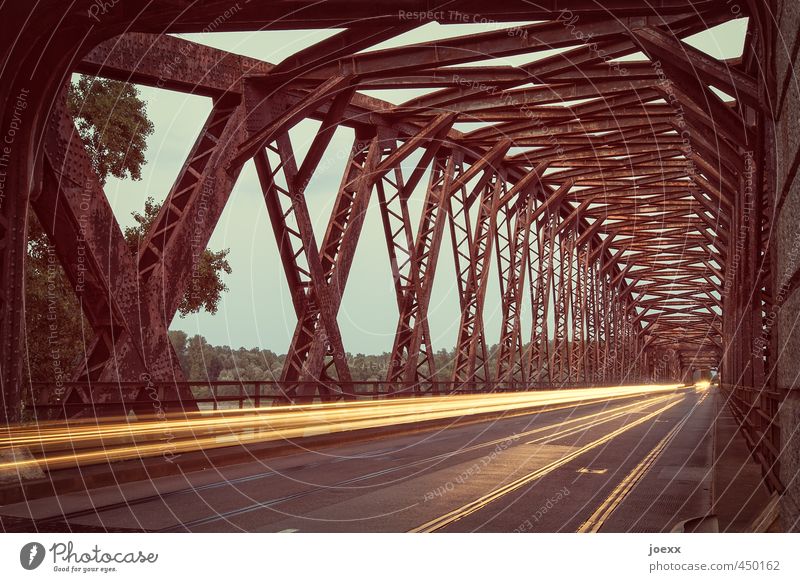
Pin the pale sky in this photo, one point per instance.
(257, 310)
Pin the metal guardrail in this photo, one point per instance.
(756, 411)
(220, 395)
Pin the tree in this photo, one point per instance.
(180, 342)
(113, 122)
(55, 330)
(112, 119)
(207, 287)
(204, 363)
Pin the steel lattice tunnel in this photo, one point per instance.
(609, 193)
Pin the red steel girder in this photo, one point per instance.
(513, 244)
(471, 358)
(310, 345)
(412, 348)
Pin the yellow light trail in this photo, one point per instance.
(580, 424)
(473, 506)
(563, 428)
(69, 444)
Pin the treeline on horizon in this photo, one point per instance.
(202, 361)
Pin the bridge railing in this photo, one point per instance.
(756, 411)
(221, 394)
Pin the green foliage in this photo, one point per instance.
(54, 325)
(207, 287)
(113, 122)
(204, 361)
(180, 342)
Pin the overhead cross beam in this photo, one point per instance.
(614, 208)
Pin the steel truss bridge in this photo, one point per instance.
(630, 204)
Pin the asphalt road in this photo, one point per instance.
(637, 464)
